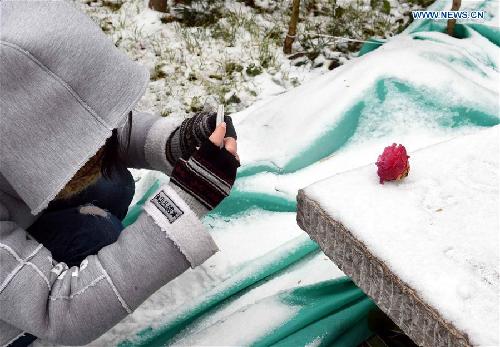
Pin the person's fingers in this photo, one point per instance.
(217, 136)
(230, 145)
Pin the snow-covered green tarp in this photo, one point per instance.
(270, 284)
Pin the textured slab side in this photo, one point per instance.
(418, 320)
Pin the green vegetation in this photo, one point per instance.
(226, 50)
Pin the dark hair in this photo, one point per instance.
(112, 158)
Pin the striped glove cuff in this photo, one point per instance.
(191, 133)
(206, 178)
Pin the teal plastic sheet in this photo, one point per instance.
(331, 313)
(332, 310)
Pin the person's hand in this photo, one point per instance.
(207, 177)
(219, 138)
(184, 140)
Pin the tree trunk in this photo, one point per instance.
(158, 5)
(451, 22)
(292, 28)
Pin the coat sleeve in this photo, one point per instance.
(144, 143)
(74, 306)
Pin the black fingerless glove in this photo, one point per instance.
(206, 178)
(191, 133)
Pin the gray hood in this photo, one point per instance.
(63, 87)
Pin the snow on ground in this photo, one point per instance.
(235, 56)
(438, 229)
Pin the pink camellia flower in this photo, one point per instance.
(393, 163)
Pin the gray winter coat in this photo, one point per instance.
(63, 88)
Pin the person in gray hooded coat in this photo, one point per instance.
(67, 96)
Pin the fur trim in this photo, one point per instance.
(87, 175)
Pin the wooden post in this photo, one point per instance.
(292, 28)
(451, 22)
(158, 5)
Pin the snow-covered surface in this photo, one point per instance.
(271, 313)
(191, 64)
(438, 229)
(281, 129)
(363, 106)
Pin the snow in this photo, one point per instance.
(284, 134)
(258, 311)
(246, 247)
(281, 129)
(190, 57)
(438, 229)
(225, 332)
